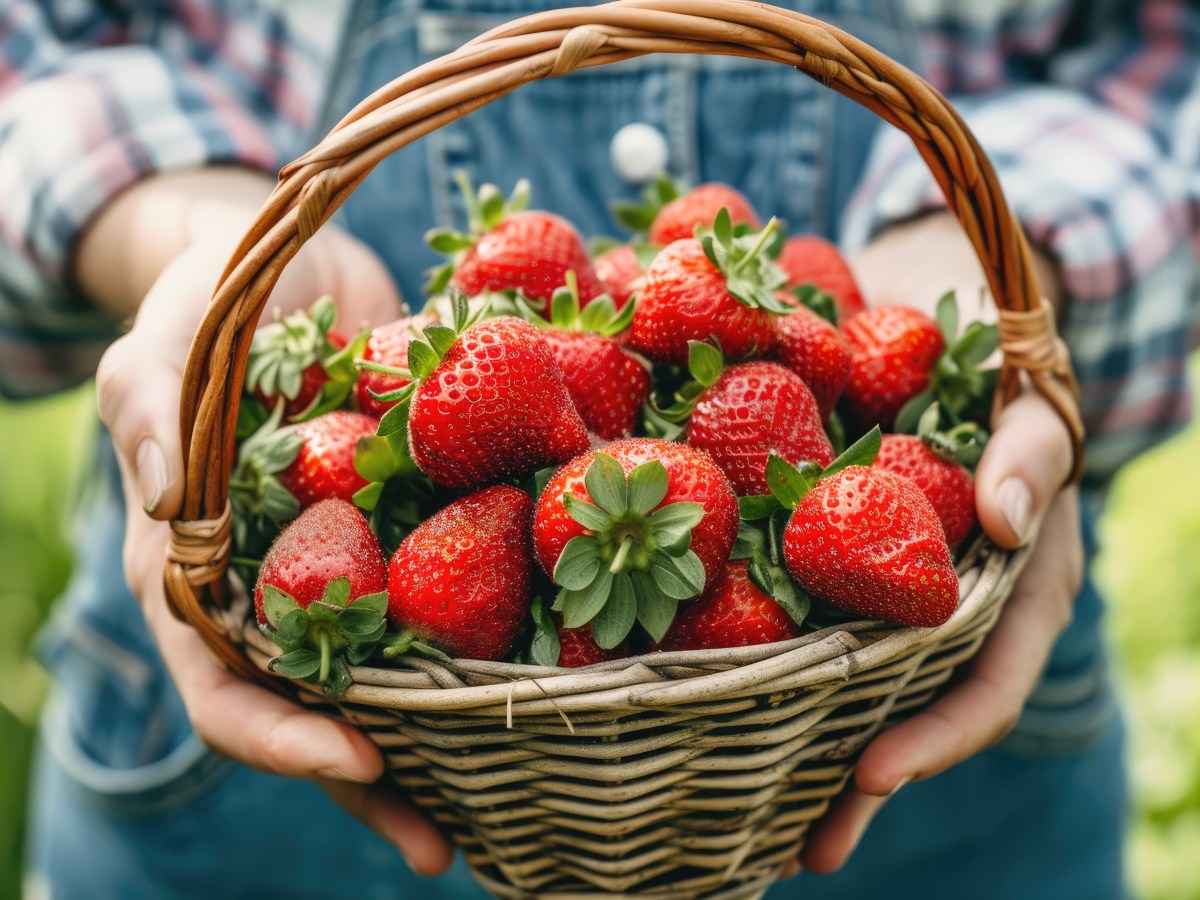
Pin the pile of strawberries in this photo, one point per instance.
(697, 439)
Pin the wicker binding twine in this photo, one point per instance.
(681, 775)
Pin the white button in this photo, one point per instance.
(639, 153)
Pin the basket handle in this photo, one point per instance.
(546, 45)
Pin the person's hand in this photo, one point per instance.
(138, 389)
(1019, 500)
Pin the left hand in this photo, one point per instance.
(1019, 499)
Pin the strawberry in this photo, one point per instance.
(631, 530)
(717, 287)
(494, 407)
(699, 206)
(734, 612)
(296, 359)
(512, 248)
(947, 484)
(894, 350)
(621, 273)
(324, 465)
(387, 345)
(608, 386)
(869, 542)
(577, 647)
(817, 352)
(319, 594)
(753, 410)
(461, 579)
(812, 260)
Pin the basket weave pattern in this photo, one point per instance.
(679, 775)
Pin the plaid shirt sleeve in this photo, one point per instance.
(92, 99)
(1097, 145)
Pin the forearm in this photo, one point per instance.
(126, 246)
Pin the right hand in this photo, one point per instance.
(138, 387)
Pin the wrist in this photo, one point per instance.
(126, 247)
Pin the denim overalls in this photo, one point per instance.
(128, 804)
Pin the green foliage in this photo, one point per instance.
(42, 445)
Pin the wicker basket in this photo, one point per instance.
(681, 775)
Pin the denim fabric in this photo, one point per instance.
(128, 804)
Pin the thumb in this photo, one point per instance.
(1024, 466)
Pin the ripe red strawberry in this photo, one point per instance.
(288, 360)
(320, 594)
(329, 540)
(894, 351)
(808, 259)
(324, 467)
(579, 648)
(754, 409)
(699, 206)
(608, 386)
(870, 543)
(716, 288)
(690, 477)
(947, 484)
(495, 407)
(388, 346)
(734, 612)
(817, 352)
(620, 272)
(461, 578)
(529, 251)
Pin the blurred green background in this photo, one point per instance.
(1150, 566)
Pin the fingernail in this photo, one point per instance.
(338, 775)
(151, 473)
(866, 815)
(899, 784)
(1017, 505)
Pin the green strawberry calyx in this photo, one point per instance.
(282, 351)
(962, 390)
(254, 490)
(962, 443)
(638, 216)
(320, 643)
(762, 544)
(545, 647)
(600, 316)
(818, 301)
(485, 208)
(789, 484)
(706, 364)
(636, 564)
(750, 271)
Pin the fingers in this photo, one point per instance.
(1025, 463)
(982, 709)
(422, 845)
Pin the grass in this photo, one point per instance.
(1150, 568)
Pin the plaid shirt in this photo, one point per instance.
(1089, 109)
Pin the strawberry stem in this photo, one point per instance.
(326, 655)
(381, 368)
(764, 238)
(622, 552)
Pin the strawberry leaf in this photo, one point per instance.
(277, 604)
(586, 514)
(440, 337)
(910, 413)
(395, 421)
(818, 301)
(678, 577)
(655, 611)
(647, 486)
(672, 524)
(337, 592)
(605, 483)
(861, 453)
(580, 607)
(422, 359)
(579, 563)
(947, 317)
(291, 630)
(546, 646)
(978, 342)
(612, 624)
(705, 362)
(757, 506)
(787, 483)
(301, 663)
(362, 624)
